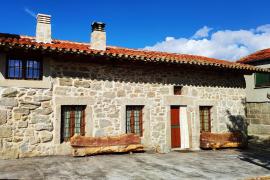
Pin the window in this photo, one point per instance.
(177, 90)
(262, 79)
(205, 118)
(134, 120)
(72, 121)
(24, 69)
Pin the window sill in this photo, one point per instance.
(262, 87)
(42, 84)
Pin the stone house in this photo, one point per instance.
(258, 94)
(52, 89)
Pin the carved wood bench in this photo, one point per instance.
(222, 140)
(83, 145)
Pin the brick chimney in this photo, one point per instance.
(43, 29)
(98, 36)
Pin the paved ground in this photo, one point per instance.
(225, 164)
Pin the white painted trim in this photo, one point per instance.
(184, 129)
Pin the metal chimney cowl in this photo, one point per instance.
(98, 36)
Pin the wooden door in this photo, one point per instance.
(175, 127)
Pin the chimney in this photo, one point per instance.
(43, 29)
(98, 36)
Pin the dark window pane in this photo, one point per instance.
(18, 72)
(17, 63)
(11, 63)
(177, 90)
(11, 72)
(262, 79)
(36, 74)
(29, 73)
(14, 69)
(33, 69)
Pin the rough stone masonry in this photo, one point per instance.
(30, 118)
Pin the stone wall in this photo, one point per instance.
(25, 122)
(257, 94)
(30, 117)
(258, 117)
(258, 104)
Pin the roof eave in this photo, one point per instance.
(49, 49)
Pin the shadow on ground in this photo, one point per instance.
(257, 153)
(254, 151)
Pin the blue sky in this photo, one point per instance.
(168, 25)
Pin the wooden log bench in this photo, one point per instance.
(222, 140)
(83, 145)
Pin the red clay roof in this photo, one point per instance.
(257, 56)
(26, 42)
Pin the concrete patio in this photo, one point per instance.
(223, 164)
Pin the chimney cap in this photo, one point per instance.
(46, 15)
(98, 26)
(44, 18)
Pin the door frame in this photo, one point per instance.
(190, 125)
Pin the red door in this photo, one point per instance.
(175, 127)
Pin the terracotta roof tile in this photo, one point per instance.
(259, 55)
(28, 42)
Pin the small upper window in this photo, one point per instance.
(262, 79)
(24, 69)
(177, 90)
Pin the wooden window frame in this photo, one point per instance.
(202, 118)
(73, 109)
(132, 127)
(24, 61)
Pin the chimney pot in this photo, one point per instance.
(98, 26)
(43, 29)
(98, 36)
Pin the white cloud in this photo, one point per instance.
(203, 32)
(263, 28)
(30, 12)
(221, 44)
